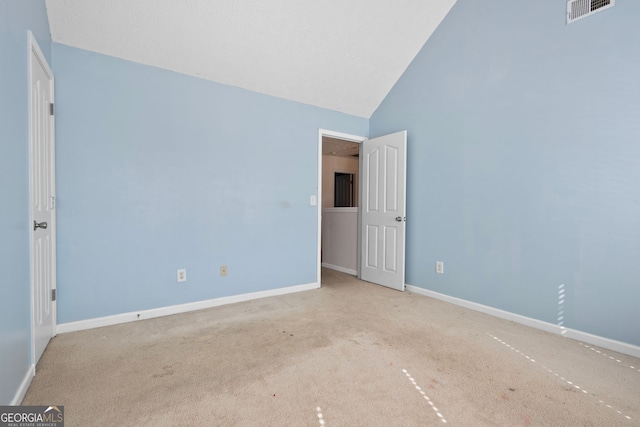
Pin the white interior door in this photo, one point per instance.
(383, 222)
(42, 200)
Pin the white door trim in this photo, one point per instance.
(34, 49)
(346, 137)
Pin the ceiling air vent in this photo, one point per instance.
(578, 9)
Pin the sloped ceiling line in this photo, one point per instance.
(343, 55)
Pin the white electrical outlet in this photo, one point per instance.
(439, 267)
(223, 270)
(182, 275)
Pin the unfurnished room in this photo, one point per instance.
(336, 213)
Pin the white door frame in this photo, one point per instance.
(34, 49)
(347, 137)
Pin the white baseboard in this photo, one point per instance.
(340, 269)
(620, 347)
(609, 344)
(24, 386)
(176, 309)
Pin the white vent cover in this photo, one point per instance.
(578, 9)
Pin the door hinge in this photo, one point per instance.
(51, 108)
(53, 294)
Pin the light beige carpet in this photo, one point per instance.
(348, 354)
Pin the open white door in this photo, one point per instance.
(42, 200)
(383, 207)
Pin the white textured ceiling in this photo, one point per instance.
(339, 147)
(343, 55)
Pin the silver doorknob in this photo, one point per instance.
(37, 225)
(399, 218)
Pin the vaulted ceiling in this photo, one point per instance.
(344, 55)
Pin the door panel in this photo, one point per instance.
(390, 250)
(42, 191)
(372, 159)
(391, 179)
(372, 247)
(383, 213)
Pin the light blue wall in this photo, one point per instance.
(524, 161)
(159, 171)
(16, 17)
